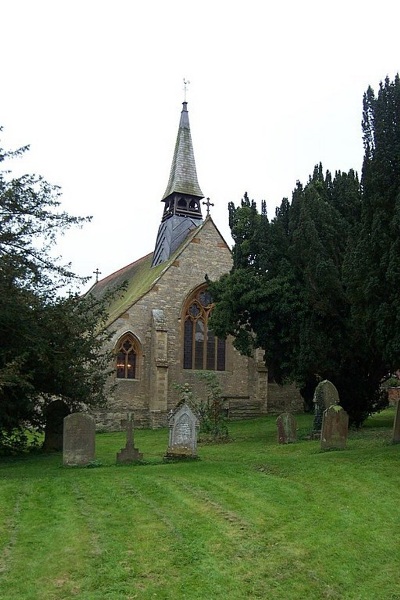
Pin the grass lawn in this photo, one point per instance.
(250, 519)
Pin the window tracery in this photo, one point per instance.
(127, 351)
(202, 349)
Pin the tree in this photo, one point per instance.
(318, 288)
(30, 221)
(287, 294)
(51, 346)
(373, 271)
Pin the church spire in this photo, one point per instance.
(183, 175)
(182, 208)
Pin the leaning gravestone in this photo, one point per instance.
(129, 454)
(396, 425)
(335, 426)
(287, 429)
(79, 439)
(183, 428)
(325, 395)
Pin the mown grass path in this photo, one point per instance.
(250, 519)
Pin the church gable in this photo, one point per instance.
(204, 252)
(140, 277)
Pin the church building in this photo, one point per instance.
(160, 323)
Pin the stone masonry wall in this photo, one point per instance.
(156, 321)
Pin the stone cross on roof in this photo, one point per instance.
(208, 204)
(97, 273)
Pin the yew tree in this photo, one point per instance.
(51, 345)
(373, 269)
(318, 286)
(285, 293)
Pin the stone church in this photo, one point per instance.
(160, 324)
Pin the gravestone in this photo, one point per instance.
(79, 439)
(396, 425)
(325, 395)
(54, 414)
(129, 454)
(335, 426)
(183, 429)
(287, 428)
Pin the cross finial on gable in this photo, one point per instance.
(97, 273)
(208, 204)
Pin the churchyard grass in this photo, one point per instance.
(249, 519)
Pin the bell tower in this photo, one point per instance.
(182, 197)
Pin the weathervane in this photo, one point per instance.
(208, 204)
(186, 82)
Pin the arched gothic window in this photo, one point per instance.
(201, 348)
(127, 357)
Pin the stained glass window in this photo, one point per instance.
(201, 348)
(126, 355)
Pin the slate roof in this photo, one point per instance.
(183, 175)
(171, 234)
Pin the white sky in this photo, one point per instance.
(95, 87)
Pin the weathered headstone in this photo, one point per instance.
(335, 426)
(54, 414)
(396, 425)
(183, 429)
(129, 454)
(79, 439)
(287, 428)
(325, 395)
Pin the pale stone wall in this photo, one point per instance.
(156, 321)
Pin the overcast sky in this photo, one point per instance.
(95, 87)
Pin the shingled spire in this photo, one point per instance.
(182, 207)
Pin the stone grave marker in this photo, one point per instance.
(79, 439)
(183, 429)
(54, 413)
(325, 395)
(287, 428)
(129, 454)
(396, 425)
(335, 426)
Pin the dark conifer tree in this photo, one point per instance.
(373, 268)
(50, 346)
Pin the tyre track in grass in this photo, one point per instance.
(46, 543)
(121, 520)
(10, 530)
(201, 521)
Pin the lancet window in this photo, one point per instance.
(127, 351)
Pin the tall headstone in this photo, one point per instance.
(287, 428)
(396, 424)
(335, 427)
(183, 430)
(129, 454)
(325, 395)
(54, 414)
(79, 439)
